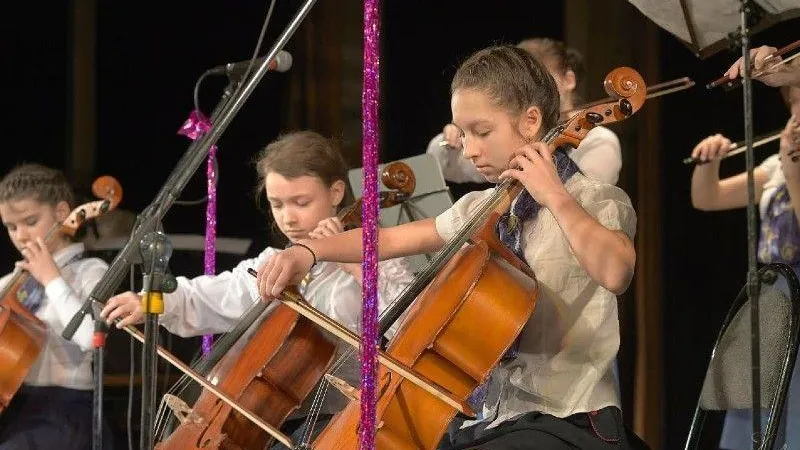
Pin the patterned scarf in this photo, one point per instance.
(509, 227)
(31, 293)
(780, 233)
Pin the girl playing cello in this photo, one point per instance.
(303, 177)
(574, 232)
(53, 409)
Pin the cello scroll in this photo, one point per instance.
(397, 176)
(627, 90)
(105, 188)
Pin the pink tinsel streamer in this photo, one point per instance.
(194, 127)
(369, 215)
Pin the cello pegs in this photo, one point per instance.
(625, 107)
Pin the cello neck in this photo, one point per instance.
(229, 339)
(498, 202)
(501, 198)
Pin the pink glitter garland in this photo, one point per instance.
(369, 217)
(194, 127)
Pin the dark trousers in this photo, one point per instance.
(598, 430)
(47, 418)
(296, 428)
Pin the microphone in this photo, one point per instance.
(281, 63)
(156, 250)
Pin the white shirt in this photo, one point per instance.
(598, 156)
(61, 362)
(214, 304)
(569, 344)
(776, 178)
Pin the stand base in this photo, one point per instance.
(97, 400)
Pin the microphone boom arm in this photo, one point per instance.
(223, 114)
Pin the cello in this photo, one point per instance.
(270, 375)
(451, 298)
(22, 334)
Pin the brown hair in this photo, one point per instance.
(35, 181)
(513, 78)
(302, 153)
(550, 50)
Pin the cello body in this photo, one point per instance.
(438, 339)
(22, 337)
(271, 376)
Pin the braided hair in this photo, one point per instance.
(37, 182)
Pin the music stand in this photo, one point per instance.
(707, 27)
(430, 198)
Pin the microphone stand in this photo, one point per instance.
(98, 351)
(227, 108)
(221, 117)
(156, 251)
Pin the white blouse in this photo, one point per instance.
(66, 363)
(568, 346)
(775, 178)
(214, 304)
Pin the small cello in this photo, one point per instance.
(271, 374)
(22, 334)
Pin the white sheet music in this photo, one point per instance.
(430, 198)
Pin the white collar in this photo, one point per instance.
(66, 254)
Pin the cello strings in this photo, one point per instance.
(322, 388)
(185, 382)
(319, 396)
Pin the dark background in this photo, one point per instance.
(149, 55)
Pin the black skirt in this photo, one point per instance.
(48, 417)
(597, 430)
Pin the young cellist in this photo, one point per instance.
(303, 178)
(53, 409)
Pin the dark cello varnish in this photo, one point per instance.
(22, 334)
(396, 176)
(276, 369)
(480, 286)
